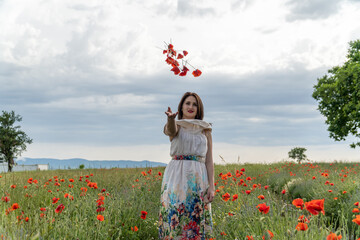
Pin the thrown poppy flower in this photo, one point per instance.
(315, 206)
(332, 236)
(263, 208)
(298, 202)
(196, 73)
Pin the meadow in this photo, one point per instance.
(282, 200)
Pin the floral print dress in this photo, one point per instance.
(184, 214)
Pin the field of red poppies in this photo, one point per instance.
(253, 201)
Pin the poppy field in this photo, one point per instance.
(253, 201)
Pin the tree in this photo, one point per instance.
(298, 154)
(12, 139)
(338, 94)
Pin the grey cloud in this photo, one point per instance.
(187, 8)
(312, 9)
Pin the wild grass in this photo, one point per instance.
(127, 192)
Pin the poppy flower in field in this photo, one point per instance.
(315, 206)
(43, 209)
(143, 173)
(55, 200)
(332, 236)
(60, 208)
(226, 197)
(266, 187)
(248, 192)
(27, 219)
(313, 177)
(143, 214)
(160, 174)
(283, 191)
(223, 234)
(185, 53)
(83, 189)
(263, 208)
(235, 196)
(71, 180)
(249, 238)
(15, 206)
(344, 192)
(30, 180)
(356, 204)
(261, 197)
(355, 210)
(301, 226)
(357, 220)
(13, 186)
(134, 229)
(231, 214)
(5, 199)
(100, 218)
(103, 190)
(268, 234)
(298, 203)
(303, 219)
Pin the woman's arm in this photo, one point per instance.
(210, 166)
(170, 128)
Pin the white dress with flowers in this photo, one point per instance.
(183, 211)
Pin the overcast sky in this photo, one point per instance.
(90, 80)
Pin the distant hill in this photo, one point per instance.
(74, 163)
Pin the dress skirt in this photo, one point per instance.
(183, 211)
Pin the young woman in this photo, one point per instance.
(188, 183)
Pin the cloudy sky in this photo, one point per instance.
(90, 80)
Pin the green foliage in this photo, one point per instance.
(338, 94)
(12, 139)
(82, 166)
(298, 154)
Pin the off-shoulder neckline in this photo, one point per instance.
(199, 122)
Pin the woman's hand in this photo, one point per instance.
(210, 195)
(170, 114)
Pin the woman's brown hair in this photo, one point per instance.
(200, 106)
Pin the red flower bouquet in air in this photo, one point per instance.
(173, 57)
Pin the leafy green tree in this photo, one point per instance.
(82, 166)
(298, 154)
(12, 139)
(338, 94)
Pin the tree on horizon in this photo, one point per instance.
(12, 139)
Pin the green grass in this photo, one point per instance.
(127, 192)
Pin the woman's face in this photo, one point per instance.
(189, 108)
